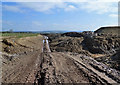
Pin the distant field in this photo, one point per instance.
(18, 35)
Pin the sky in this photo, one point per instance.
(58, 16)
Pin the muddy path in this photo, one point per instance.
(61, 67)
(41, 67)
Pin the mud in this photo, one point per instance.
(41, 66)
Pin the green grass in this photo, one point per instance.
(18, 35)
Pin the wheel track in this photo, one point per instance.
(48, 72)
(96, 72)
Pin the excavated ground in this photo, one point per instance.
(102, 47)
(37, 64)
(20, 64)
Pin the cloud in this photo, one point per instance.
(48, 7)
(99, 7)
(43, 6)
(59, 0)
(12, 8)
(113, 15)
(70, 8)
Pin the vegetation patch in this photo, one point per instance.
(18, 35)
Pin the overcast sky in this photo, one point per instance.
(66, 16)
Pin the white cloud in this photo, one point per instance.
(99, 7)
(59, 0)
(70, 8)
(12, 8)
(40, 7)
(47, 7)
(113, 15)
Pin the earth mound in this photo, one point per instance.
(102, 47)
(115, 30)
(73, 34)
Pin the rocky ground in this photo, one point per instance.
(102, 47)
(31, 60)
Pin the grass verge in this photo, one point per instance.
(18, 35)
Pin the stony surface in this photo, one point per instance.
(102, 47)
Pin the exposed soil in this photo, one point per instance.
(22, 60)
(31, 60)
(102, 47)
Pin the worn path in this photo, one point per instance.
(60, 67)
(43, 66)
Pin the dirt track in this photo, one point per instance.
(44, 66)
(59, 67)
